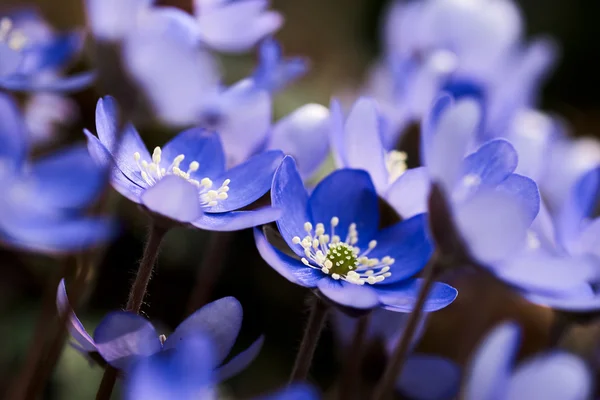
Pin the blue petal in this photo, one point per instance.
(249, 181)
(274, 72)
(409, 194)
(402, 296)
(296, 391)
(429, 126)
(338, 145)
(492, 163)
(76, 328)
(63, 85)
(241, 361)
(12, 136)
(406, 242)
(349, 195)
(585, 302)
(289, 195)
(55, 53)
(237, 220)
(199, 145)
(112, 19)
(556, 375)
(489, 372)
(122, 337)
(427, 377)
(361, 297)
(526, 190)
(291, 269)
(175, 198)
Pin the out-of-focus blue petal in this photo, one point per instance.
(289, 195)
(221, 320)
(173, 197)
(291, 269)
(199, 145)
(429, 126)
(408, 244)
(75, 326)
(274, 72)
(402, 296)
(171, 21)
(349, 195)
(56, 52)
(428, 377)
(249, 181)
(64, 85)
(552, 376)
(241, 361)
(361, 297)
(237, 220)
(583, 301)
(112, 19)
(492, 163)
(122, 337)
(297, 391)
(338, 146)
(408, 195)
(526, 190)
(237, 26)
(12, 136)
(588, 239)
(303, 134)
(489, 371)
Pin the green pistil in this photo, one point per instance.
(342, 258)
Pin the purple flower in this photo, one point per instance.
(274, 72)
(44, 202)
(335, 245)
(123, 338)
(33, 53)
(554, 375)
(187, 373)
(186, 181)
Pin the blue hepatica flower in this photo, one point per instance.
(43, 204)
(187, 374)
(32, 54)
(274, 72)
(123, 338)
(337, 247)
(185, 181)
(554, 375)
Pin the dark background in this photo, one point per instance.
(341, 38)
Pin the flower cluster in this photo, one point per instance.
(334, 200)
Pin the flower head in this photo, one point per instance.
(186, 180)
(335, 244)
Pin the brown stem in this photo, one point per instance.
(108, 383)
(314, 326)
(350, 382)
(396, 362)
(213, 262)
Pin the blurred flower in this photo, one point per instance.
(177, 181)
(187, 373)
(123, 338)
(45, 113)
(274, 72)
(42, 208)
(554, 375)
(33, 55)
(351, 262)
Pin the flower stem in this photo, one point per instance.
(351, 372)
(213, 262)
(314, 326)
(108, 383)
(396, 362)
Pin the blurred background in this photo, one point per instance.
(341, 38)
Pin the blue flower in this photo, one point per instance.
(42, 208)
(187, 373)
(554, 375)
(335, 244)
(274, 72)
(33, 55)
(186, 181)
(123, 338)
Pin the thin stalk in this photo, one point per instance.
(350, 382)
(108, 383)
(314, 326)
(396, 362)
(560, 324)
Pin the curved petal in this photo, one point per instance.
(584, 302)
(553, 376)
(289, 195)
(249, 181)
(121, 337)
(112, 19)
(274, 72)
(237, 220)
(196, 144)
(291, 269)
(76, 328)
(427, 377)
(241, 361)
(402, 296)
(337, 134)
(221, 320)
(429, 126)
(492, 163)
(361, 297)
(489, 371)
(303, 134)
(526, 190)
(63, 85)
(407, 242)
(408, 194)
(173, 197)
(12, 136)
(349, 195)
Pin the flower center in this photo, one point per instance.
(152, 172)
(395, 162)
(14, 38)
(342, 259)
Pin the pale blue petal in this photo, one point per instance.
(112, 19)
(241, 361)
(361, 297)
(402, 296)
(492, 163)
(76, 328)
(526, 191)
(274, 72)
(237, 220)
(428, 377)
(408, 194)
(173, 197)
(12, 136)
